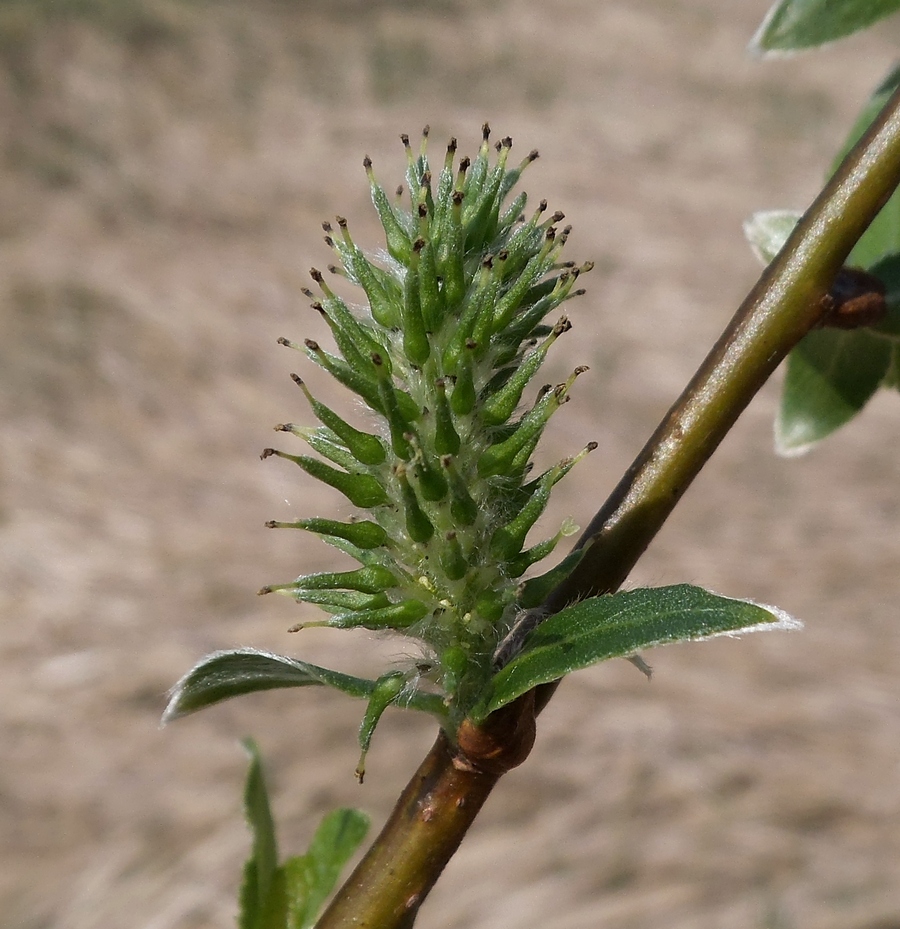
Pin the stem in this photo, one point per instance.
(431, 817)
(781, 308)
(448, 790)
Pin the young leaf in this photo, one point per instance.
(290, 897)
(621, 624)
(225, 674)
(830, 377)
(262, 893)
(310, 878)
(797, 24)
(768, 230)
(231, 673)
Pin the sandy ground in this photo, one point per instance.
(164, 174)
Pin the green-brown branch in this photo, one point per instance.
(446, 793)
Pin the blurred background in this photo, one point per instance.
(164, 169)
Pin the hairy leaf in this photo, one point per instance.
(222, 675)
(796, 24)
(621, 624)
(230, 673)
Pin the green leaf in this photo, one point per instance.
(310, 878)
(619, 625)
(796, 24)
(230, 673)
(768, 230)
(888, 271)
(892, 378)
(883, 235)
(290, 897)
(830, 376)
(234, 672)
(262, 893)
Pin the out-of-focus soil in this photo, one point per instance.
(165, 168)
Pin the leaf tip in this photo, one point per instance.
(781, 621)
(792, 441)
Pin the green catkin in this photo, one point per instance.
(506, 307)
(482, 225)
(501, 404)
(396, 616)
(425, 199)
(505, 345)
(442, 200)
(354, 379)
(336, 601)
(512, 177)
(430, 298)
(418, 525)
(452, 560)
(416, 344)
(463, 397)
(325, 442)
(397, 238)
(452, 255)
(387, 689)
(507, 541)
(371, 579)
(478, 303)
(398, 424)
(453, 334)
(361, 490)
(382, 290)
(431, 482)
(503, 456)
(478, 172)
(512, 215)
(564, 467)
(413, 167)
(363, 534)
(463, 508)
(446, 438)
(339, 315)
(483, 327)
(367, 449)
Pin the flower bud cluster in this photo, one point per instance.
(453, 333)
